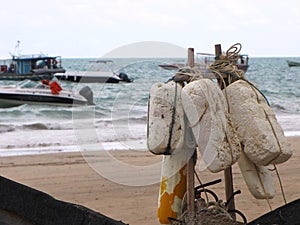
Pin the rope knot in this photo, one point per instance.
(225, 65)
(187, 74)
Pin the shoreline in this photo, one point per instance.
(67, 176)
(107, 146)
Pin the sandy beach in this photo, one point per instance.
(68, 177)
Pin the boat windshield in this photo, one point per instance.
(26, 84)
(32, 84)
(101, 65)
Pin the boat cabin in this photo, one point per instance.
(34, 67)
(31, 64)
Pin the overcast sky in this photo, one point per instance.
(92, 28)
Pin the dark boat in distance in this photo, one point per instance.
(32, 67)
(292, 63)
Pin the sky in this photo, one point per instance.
(93, 28)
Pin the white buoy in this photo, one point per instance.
(205, 107)
(165, 118)
(258, 130)
(259, 179)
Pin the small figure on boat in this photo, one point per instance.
(54, 86)
(11, 68)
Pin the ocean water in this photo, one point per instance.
(119, 118)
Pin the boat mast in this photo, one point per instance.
(17, 51)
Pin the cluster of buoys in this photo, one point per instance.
(261, 136)
(229, 126)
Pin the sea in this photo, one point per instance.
(118, 120)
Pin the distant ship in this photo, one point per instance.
(293, 63)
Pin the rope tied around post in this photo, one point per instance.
(226, 65)
(187, 74)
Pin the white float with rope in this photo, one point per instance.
(165, 130)
(259, 132)
(258, 179)
(206, 109)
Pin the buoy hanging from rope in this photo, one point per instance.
(258, 130)
(206, 109)
(258, 179)
(165, 130)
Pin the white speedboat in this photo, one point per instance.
(92, 77)
(30, 92)
(100, 71)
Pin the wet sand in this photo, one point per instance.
(68, 177)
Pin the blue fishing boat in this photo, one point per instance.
(33, 67)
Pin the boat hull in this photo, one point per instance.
(12, 100)
(87, 79)
(20, 77)
(292, 63)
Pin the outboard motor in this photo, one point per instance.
(124, 77)
(88, 94)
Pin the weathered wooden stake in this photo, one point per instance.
(191, 60)
(227, 172)
(191, 167)
(218, 50)
(229, 190)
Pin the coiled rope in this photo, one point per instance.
(226, 65)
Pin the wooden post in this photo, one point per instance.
(191, 191)
(229, 190)
(191, 167)
(191, 60)
(218, 50)
(227, 172)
